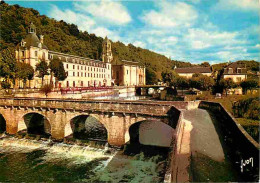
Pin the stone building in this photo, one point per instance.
(189, 71)
(235, 71)
(128, 73)
(81, 72)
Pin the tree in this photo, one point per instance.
(42, 69)
(226, 84)
(8, 65)
(205, 64)
(181, 82)
(201, 82)
(57, 68)
(249, 85)
(170, 77)
(150, 76)
(25, 72)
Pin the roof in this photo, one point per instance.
(127, 62)
(193, 70)
(237, 68)
(32, 40)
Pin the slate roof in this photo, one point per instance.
(32, 40)
(193, 70)
(237, 68)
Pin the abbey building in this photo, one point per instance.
(81, 71)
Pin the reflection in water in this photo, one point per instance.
(30, 160)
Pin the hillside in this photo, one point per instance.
(63, 37)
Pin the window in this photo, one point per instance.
(78, 67)
(94, 75)
(43, 56)
(88, 68)
(67, 66)
(73, 66)
(36, 53)
(85, 74)
(88, 74)
(68, 84)
(78, 74)
(81, 67)
(239, 70)
(23, 53)
(82, 74)
(230, 71)
(94, 69)
(85, 68)
(127, 72)
(73, 73)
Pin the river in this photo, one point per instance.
(24, 160)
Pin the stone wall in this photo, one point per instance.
(241, 145)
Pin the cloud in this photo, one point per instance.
(171, 15)
(82, 21)
(200, 38)
(257, 45)
(139, 44)
(244, 5)
(111, 11)
(103, 32)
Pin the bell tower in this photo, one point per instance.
(107, 56)
(32, 28)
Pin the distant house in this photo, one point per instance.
(236, 71)
(189, 71)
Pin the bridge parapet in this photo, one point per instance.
(152, 109)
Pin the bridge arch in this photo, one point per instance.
(150, 132)
(34, 123)
(86, 126)
(2, 124)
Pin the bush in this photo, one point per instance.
(46, 89)
(248, 107)
(5, 85)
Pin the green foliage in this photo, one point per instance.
(5, 85)
(57, 69)
(249, 85)
(150, 77)
(248, 107)
(225, 84)
(205, 64)
(8, 64)
(42, 68)
(24, 72)
(170, 78)
(201, 82)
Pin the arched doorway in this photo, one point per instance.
(35, 123)
(87, 127)
(2, 124)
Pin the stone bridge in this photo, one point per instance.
(115, 116)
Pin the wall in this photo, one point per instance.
(242, 145)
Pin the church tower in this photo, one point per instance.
(107, 56)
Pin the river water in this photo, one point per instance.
(23, 160)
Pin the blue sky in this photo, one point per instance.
(187, 30)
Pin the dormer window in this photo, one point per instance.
(239, 70)
(23, 43)
(36, 53)
(23, 53)
(230, 71)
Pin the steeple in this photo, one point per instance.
(107, 51)
(32, 28)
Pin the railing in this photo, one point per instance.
(84, 89)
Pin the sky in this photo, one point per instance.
(186, 30)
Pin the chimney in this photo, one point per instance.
(41, 39)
